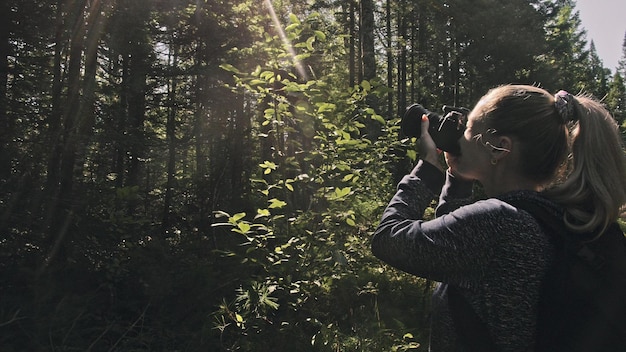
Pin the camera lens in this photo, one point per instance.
(445, 131)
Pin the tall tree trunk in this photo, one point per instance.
(368, 62)
(402, 60)
(448, 57)
(62, 213)
(352, 44)
(86, 115)
(119, 157)
(368, 54)
(6, 126)
(240, 152)
(402, 166)
(138, 67)
(457, 72)
(170, 131)
(202, 133)
(54, 119)
(421, 52)
(389, 60)
(415, 49)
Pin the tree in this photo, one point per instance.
(72, 115)
(597, 82)
(621, 63)
(616, 98)
(563, 66)
(367, 40)
(5, 122)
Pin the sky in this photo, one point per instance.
(605, 23)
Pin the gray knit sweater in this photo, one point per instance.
(495, 253)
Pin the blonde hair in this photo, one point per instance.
(594, 191)
(580, 160)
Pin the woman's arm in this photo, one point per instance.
(455, 247)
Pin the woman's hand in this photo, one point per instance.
(427, 149)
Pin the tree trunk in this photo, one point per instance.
(352, 44)
(86, 116)
(138, 66)
(5, 123)
(54, 119)
(347, 22)
(402, 60)
(368, 62)
(240, 152)
(171, 146)
(389, 61)
(119, 157)
(414, 55)
(368, 55)
(61, 203)
(421, 51)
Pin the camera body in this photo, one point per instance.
(445, 130)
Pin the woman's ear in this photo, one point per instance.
(502, 147)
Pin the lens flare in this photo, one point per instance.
(285, 40)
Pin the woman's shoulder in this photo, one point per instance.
(532, 203)
(512, 206)
(509, 215)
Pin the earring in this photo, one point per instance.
(494, 161)
(497, 148)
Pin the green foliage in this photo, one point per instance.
(316, 285)
(616, 98)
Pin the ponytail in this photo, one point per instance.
(594, 190)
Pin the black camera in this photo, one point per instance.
(445, 131)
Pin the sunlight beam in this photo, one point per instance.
(285, 40)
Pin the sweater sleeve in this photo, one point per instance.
(455, 247)
(456, 193)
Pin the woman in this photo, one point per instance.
(519, 142)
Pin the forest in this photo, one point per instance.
(205, 175)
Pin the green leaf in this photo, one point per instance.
(229, 68)
(291, 27)
(262, 213)
(323, 107)
(342, 192)
(256, 82)
(301, 57)
(320, 36)
(266, 75)
(268, 166)
(412, 154)
(243, 227)
(276, 203)
(235, 218)
(309, 43)
(378, 118)
(293, 18)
